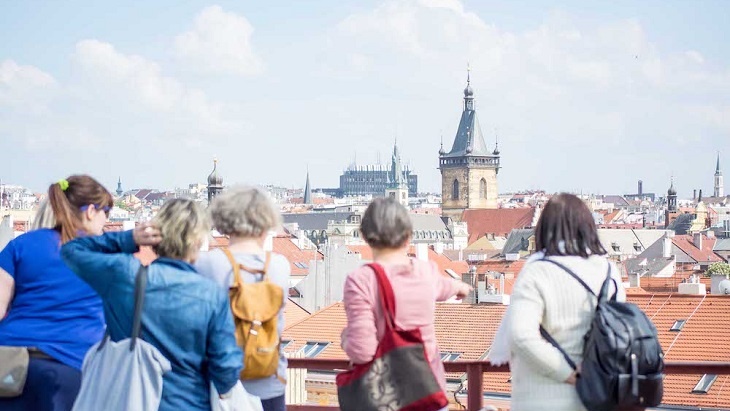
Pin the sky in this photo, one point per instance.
(583, 96)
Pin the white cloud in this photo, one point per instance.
(565, 86)
(139, 84)
(25, 86)
(220, 42)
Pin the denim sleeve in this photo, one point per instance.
(101, 260)
(8, 259)
(225, 359)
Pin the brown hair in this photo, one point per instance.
(386, 224)
(566, 227)
(68, 196)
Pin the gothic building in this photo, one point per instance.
(469, 170)
(373, 180)
(215, 182)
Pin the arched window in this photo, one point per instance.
(455, 190)
(483, 188)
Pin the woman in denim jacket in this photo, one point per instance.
(186, 316)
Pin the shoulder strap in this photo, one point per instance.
(262, 271)
(386, 295)
(140, 283)
(572, 274)
(236, 267)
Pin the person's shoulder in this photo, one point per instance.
(279, 262)
(41, 234)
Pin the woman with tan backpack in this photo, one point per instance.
(258, 284)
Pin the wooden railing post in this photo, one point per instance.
(475, 392)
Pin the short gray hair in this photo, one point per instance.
(386, 224)
(183, 224)
(244, 212)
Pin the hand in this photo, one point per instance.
(463, 290)
(573, 378)
(147, 234)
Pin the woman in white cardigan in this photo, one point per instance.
(546, 295)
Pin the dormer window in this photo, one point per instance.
(637, 246)
(615, 246)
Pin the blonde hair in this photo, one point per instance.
(244, 212)
(183, 225)
(43, 217)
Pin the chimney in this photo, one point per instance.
(635, 280)
(697, 240)
(501, 284)
(641, 188)
(666, 246)
(422, 252)
(694, 194)
(438, 247)
(699, 199)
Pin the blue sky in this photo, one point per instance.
(587, 96)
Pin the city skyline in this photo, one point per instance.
(587, 96)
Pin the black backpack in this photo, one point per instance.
(623, 362)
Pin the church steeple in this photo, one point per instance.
(307, 190)
(719, 186)
(215, 182)
(469, 170)
(119, 187)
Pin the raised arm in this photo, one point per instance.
(528, 307)
(447, 287)
(224, 357)
(359, 338)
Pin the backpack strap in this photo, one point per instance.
(602, 294)
(574, 275)
(236, 267)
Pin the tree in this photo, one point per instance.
(718, 268)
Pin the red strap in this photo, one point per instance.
(386, 295)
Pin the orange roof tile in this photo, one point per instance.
(294, 313)
(685, 243)
(298, 259)
(498, 221)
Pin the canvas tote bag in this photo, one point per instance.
(399, 378)
(123, 375)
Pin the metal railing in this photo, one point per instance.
(474, 372)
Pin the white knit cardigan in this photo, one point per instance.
(546, 295)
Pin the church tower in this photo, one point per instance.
(397, 182)
(215, 182)
(120, 191)
(469, 170)
(307, 191)
(719, 188)
(671, 213)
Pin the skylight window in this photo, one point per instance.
(303, 266)
(704, 385)
(450, 356)
(312, 349)
(677, 326)
(285, 343)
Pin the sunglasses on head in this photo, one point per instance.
(105, 209)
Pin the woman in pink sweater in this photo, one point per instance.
(417, 285)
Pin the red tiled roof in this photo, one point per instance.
(21, 226)
(686, 244)
(498, 221)
(294, 314)
(608, 218)
(297, 257)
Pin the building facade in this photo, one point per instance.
(374, 179)
(469, 170)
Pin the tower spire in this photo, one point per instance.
(717, 168)
(307, 190)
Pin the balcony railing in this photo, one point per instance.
(475, 369)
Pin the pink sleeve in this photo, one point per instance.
(359, 338)
(445, 287)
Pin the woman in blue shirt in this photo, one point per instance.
(186, 316)
(45, 306)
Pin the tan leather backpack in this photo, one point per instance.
(255, 308)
